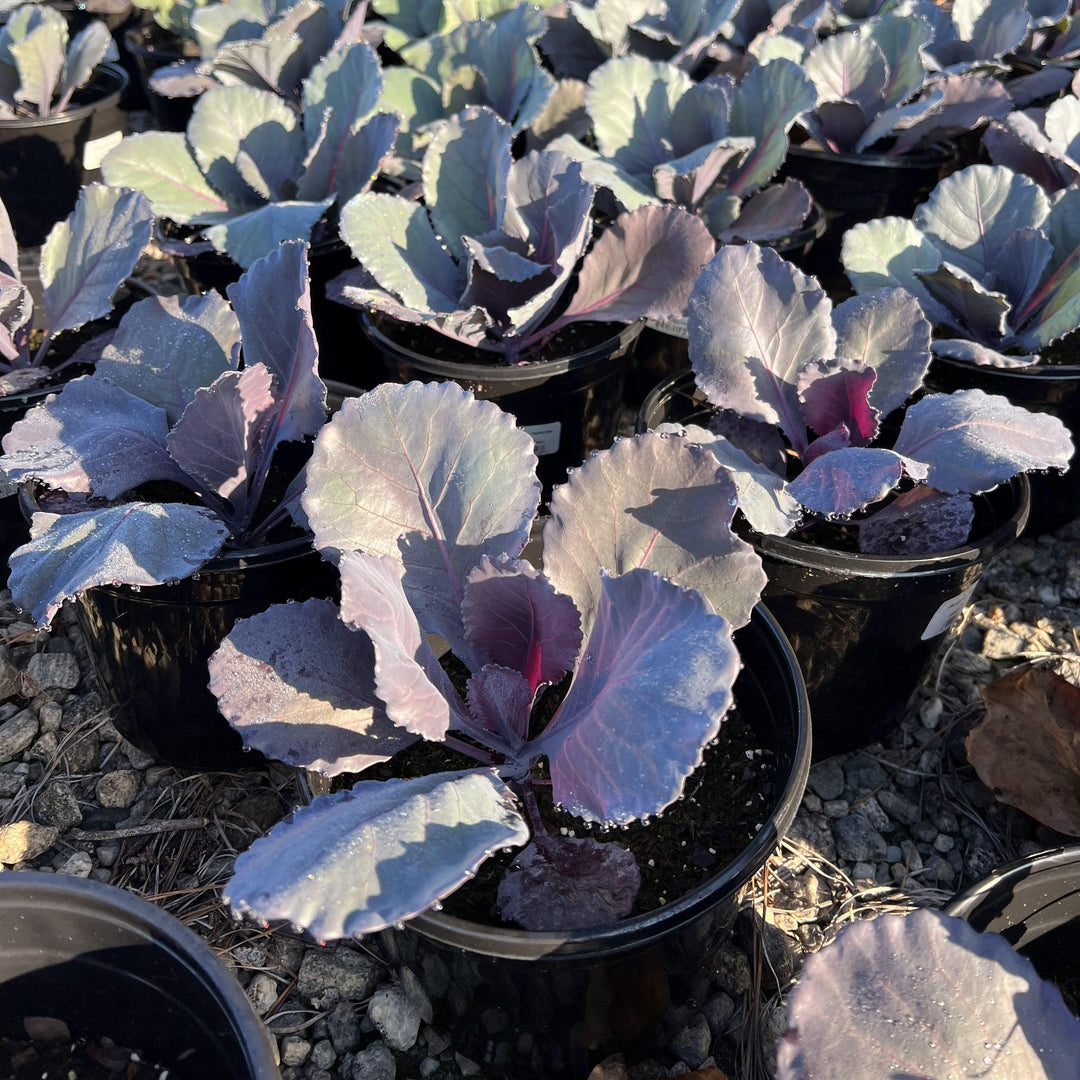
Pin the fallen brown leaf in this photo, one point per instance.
(1027, 749)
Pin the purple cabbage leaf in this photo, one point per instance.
(924, 995)
(102, 438)
(425, 482)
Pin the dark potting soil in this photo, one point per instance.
(79, 1059)
(571, 340)
(724, 803)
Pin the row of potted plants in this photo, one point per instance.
(424, 497)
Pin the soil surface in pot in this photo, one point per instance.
(724, 803)
(79, 1059)
(571, 340)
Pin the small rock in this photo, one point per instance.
(836, 808)
(54, 671)
(718, 1011)
(107, 852)
(857, 840)
(1000, 643)
(17, 734)
(930, 713)
(77, 864)
(434, 1042)
(139, 759)
(864, 871)
(56, 805)
(44, 749)
(102, 874)
(352, 973)
(692, 1043)
(732, 971)
(11, 784)
(812, 802)
(813, 830)
(375, 1062)
(467, 1066)
(323, 1054)
(1048, 596)
(864, 774)
(428, 1067)
(940, 869)
(50, 715)
(898, 808)
(22, 841)
(262, 992)
(294, 1050)
(943, 843)
(925, 832)
(396, 1015)
(870, 808)
(893, 854)
(947, 821)
(826, 779)
(119, 789)
(979, 860)
(343, 1027)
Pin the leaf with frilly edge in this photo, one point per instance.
(568, 883)
(91, 437)
(847, 479)
(417, 694)
(973, 441)
(651, 690)
(754, 321)
(658, 502)
(886, 330)
(464, 175)
(167, 347)
(982, 312)
(642, 266)
(430, 475)
(272, 302)
(87, 50)
(362, 860)
(762, 495)
(134, 544)
(160, 164)
(980, 354)
(36, 37)
(971, 998)
(246, 238)
(87, 256)
(219, 438)
(776, 211)
(513, 617)
(834, 392)
(297, 684)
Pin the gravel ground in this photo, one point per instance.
(896, 826)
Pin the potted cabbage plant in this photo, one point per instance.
(59, 115)
(991, 258)
(875, 506)
(574, 705)
(881, 132)
(499, 279)
(159, 488)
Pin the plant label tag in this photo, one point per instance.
(945, 614)
(95, 150)
(546, 436)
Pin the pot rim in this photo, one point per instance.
(786, 549)
(638, 930)
(86, 897)
(1038, 370)
(623, 335)
(116, 79)
(1005, 879)
(934, 155)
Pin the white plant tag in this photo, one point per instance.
(546, 437)
(95, 150)
(945, 614)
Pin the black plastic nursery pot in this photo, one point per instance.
(110, 964)
(1034, 904)
(866, 628)
(851, 188)
(151, 48)
(569, 404)
(527, 1004)
(1044, 387)
(44, 161)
